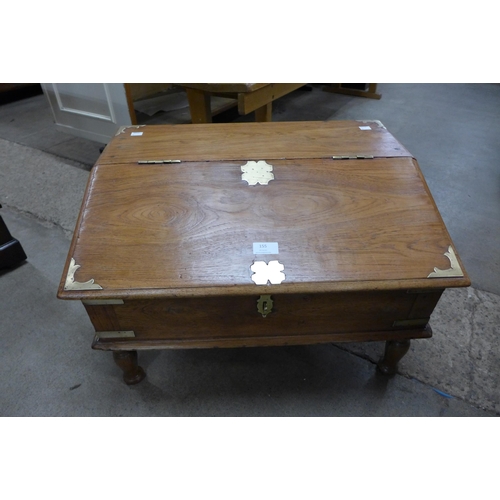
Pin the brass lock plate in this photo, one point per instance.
(265, 305)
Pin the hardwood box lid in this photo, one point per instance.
(242, 141)
(188, 228)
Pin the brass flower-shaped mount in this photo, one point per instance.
(264, 273)
(257, 172)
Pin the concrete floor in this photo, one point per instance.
(48, 368)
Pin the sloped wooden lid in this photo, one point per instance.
(188, 229)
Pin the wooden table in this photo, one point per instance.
(250, 97)
(258, 234)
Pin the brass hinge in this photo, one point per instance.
(157, 162)
(357, 157)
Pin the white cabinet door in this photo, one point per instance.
(93, 111)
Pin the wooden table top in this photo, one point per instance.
(188, 228)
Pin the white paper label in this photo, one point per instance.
(265, 247)
(365, 127)
(136, 133)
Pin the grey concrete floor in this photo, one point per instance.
(48, 368)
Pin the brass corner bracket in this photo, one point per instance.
(71, 284)
(455, 271)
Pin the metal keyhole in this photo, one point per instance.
(264, 305)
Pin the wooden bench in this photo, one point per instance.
(249, 97)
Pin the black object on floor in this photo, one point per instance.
(10, 92)
(11, 251)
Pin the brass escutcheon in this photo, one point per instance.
(265, 305)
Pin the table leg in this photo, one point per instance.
(264, 114)
(127, 361)
(394, 352)
(199, 106)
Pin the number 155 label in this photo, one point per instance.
(265, 247)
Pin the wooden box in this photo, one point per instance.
(258, 234)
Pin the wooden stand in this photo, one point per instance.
(166, 255)
(249, 97)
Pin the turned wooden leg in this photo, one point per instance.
(394, 351)
(127, 361)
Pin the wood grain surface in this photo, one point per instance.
(252, 141)
(188, 228)
(230, 316)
